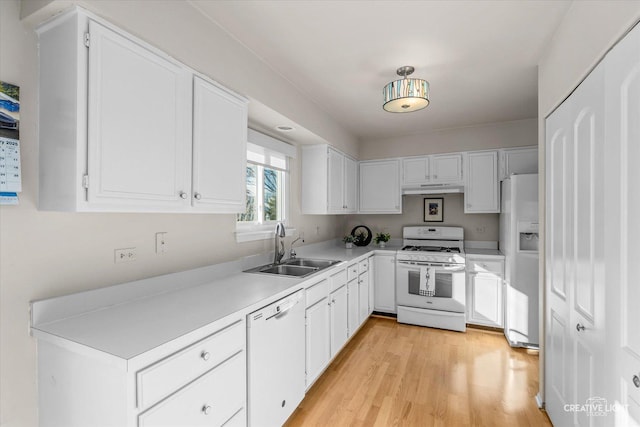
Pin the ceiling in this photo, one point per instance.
(480, 57)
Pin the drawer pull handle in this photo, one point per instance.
(580, 327)
(205, 355)
(206, 409)
(636, 381)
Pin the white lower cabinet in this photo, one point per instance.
(485, 282)
(352, 309)
(211, 400)
(384, 282)
(202, 383)
(339, 322)
(318, 351)
(363, 297)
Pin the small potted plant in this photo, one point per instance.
(381, 239)
(348, 241)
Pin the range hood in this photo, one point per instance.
(434, 189)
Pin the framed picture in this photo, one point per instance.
(433, 210)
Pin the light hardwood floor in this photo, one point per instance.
(393, 374)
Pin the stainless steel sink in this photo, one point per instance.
(296, 267)
(308, 262)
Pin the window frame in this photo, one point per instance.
(261, 229)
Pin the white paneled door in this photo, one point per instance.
(575, 254)
(622, 209)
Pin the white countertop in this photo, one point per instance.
(484, 252)
(141, 323)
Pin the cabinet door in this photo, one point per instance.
(339, 322)
(485, 302)
(363, 297)
(139, 129)
(352, 306)
(519, 161)
(210, 400)
(318, 339)
(385, 283)
(415, 170)
(335, 182)
(219, 149)
(350, 185)
(380, 187)
(481, 193)
(446, 168)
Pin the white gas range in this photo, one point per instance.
(430, 277)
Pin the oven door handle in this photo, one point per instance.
(446, 267)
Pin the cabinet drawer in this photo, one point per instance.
(352, 272)
(338, 280)
(211, 400)
(486, 266)
(166, 376)
(316, 292)
(363, 265)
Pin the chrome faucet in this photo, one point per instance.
(292, 252)
(279, 243)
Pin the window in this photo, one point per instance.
(267, 179)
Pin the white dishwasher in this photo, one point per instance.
(276, 361)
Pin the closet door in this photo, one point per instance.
(575, 338)
(559, 260)
(622, 208)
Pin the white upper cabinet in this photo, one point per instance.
(380, 187)
(518, 161)
(481, 193)
(219, 148)
(446, 168)
(116, 120)
(435, 169)
(415, 170)
(139, 124)
(350, 185)
(329, 181)
(335, 176)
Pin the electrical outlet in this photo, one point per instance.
(124, 255)
(161, 242)
(317, 230)
(481, 229)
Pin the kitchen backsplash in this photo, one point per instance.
(478, 227)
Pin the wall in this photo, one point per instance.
(588, 30)
(479, 227)
(44, 254)
(517, 133)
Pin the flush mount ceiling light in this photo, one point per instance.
(284, 128)
(406, 95)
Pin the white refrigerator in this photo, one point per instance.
(519, 240)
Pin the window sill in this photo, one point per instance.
(251, 235)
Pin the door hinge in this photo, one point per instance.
(87, 39)
(85, 181)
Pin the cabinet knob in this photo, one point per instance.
(206, 409)
(580, 327)
(183, 195)
(205, 355)
(636, 381)
(333, 300)
(197, 196)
